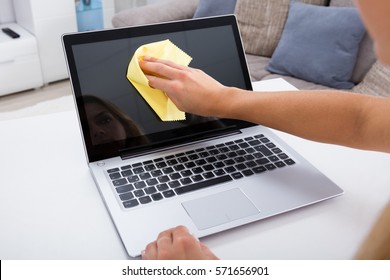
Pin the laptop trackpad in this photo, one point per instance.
(220, 208)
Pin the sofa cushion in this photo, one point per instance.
(257, 66)
(366, 56)
(319, 44)
(158, 12)
(261, 23)
(376, 82)
(208, 8)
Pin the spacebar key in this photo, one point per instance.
(203, 184)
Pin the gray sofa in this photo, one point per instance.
(261, 26)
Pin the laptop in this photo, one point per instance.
(208, 174)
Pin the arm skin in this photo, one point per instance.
(328, 116)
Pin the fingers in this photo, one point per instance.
(170, 244)
(164, 61)
(161, 68)
(163, 244)
(207, 252)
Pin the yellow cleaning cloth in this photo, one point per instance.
(157, 99)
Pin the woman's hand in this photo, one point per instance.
(191, 90)
(177, 244)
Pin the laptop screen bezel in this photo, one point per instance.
(170, 138)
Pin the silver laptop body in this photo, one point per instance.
(208, 174)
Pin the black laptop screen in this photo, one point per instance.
(114, 117)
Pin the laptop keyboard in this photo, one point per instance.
(165, 177)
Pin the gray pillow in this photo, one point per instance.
(208, 8)
(319, 44)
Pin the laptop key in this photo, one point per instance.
(259, 169)
(157, 196)
(119, 182)
(161, 164)
(115, 176)
(219, 172)
(125, 188)
(273, 158)
(289, 161)
(270, 166)
(265, 140)
(197, 170)
(112, 170)
(175, 176)
(172, 162)
(150, 167)
(185, 181)
(130, 203)
(203, 184)
(140, 185)
(127, 173)
(208, 175)
(197, 178)
(168, 170)
(186, 173)
(126, 196)
(163, 179)
(145, 176)
(145, 199)
(283, 156)
(156, 173)
(133, 179)
(280, 164)
(174, 184)
(264, 150)
(237, 175)
(150, 190)
(162, 187)
(179, 167)
(126, 167)
(138, 170)
(168, 193)
(248, 172)
(151, 182)
(139, 193)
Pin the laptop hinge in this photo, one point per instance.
(168, 145)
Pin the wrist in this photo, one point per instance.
(229, 102)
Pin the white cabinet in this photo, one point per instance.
(20, 67)
(47, 21)
(37, 57)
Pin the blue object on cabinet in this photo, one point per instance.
(89, 15)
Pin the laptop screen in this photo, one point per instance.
(114, 117)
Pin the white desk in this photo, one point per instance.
(51, 209)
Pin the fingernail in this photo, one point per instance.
(143, 253)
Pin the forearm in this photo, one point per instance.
(324, 116)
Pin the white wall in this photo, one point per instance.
(6, 11)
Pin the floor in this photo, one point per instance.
(55, 97)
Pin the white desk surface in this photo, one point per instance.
(51, 209)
